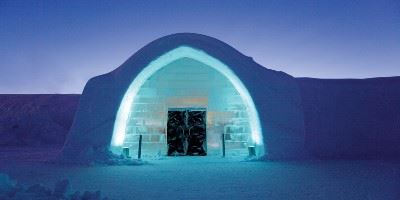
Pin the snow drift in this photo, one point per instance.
(33, 120)
(352, 118)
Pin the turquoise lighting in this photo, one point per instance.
(167, 58)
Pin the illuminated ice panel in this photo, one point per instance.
(187, 83)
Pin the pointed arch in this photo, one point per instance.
(125, 106)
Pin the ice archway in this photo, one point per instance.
(121, 121)
(272, 100)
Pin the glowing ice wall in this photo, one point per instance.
(185, 77)
(186, 83)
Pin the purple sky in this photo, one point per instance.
(56, 46)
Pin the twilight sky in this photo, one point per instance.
(56, 46)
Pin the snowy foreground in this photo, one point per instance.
(212, 178)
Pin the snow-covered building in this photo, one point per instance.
(180, 94)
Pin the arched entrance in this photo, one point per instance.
(182, 82)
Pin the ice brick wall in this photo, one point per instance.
(187, 83)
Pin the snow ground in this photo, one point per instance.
(212, 177)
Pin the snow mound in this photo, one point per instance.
(37, 119)
(352, 118)
(10, 191)
(92, 157)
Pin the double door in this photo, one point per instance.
(186, 132)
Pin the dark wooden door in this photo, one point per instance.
(186, 132)
(196, 133)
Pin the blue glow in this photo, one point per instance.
(167, 58)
